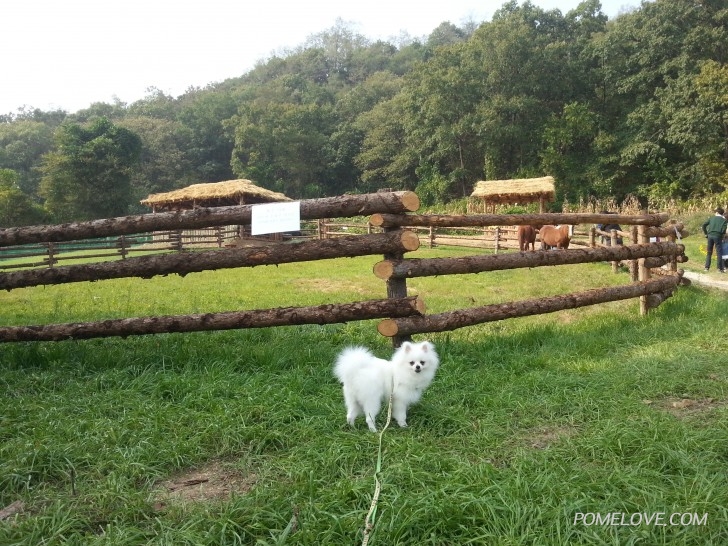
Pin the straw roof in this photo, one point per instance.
(517, 190)
(214, 194)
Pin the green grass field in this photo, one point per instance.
(532, 429)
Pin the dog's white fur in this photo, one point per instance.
(368, 381)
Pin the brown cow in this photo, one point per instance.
(526, 236)
(555, 237)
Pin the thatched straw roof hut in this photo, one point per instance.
(214, 194)
(515, 191)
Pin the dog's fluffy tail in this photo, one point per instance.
(350, 360)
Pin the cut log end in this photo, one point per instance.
(410, 240)
(383, 270)
(388, 328)
(410, 201)
(376, 219)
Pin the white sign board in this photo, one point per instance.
(275, 217)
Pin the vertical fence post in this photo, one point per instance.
(396, 287)
(121, 243)
(633, 264)
(496, 239)
(177, 239)
(644, 272)
(51, 254)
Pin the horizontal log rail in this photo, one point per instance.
(327, 207)
(260, 318)
(480, 220)
(608, 234)
(452, 320)
(677, 230)
(183, 263)
(427, 267)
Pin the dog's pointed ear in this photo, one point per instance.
(426, 346)
(407, 346)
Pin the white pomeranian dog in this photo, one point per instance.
(368, 381)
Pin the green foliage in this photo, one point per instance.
(568, 146)
(22, 145)
(286, 145)
(383, 160)
(16, 207)
(652, 60)
(209, 148)
(88, 175)
(164, 162)
(433, 186)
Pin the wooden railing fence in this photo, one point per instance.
(391, 234)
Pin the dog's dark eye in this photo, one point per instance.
(422, 362)
(412, 363)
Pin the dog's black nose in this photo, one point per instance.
(417, 369)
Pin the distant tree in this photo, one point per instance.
(568, 151)
(348, 137)
(156, 103)
(651, 62)
(22, 144)
(114, 111)
(365, 62)
(164, 163)
(384, 160)
(338, 45)
(204, 114)
(407, 57)
(712, 148)
(52, 118)
(284, 147)
(528, 73)
(442, 97)
(88, 175)
(16, 207)
(445, 34)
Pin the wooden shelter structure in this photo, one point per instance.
(213, 194)
(516, 191)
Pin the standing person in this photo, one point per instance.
(607, 241)
(714, 228)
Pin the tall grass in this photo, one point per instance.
(529, 422)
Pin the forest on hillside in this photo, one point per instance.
(636, 105)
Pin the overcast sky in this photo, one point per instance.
(69, 54)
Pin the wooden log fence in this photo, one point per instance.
(260, 318)
(147, 267)
(390, 213)
(328, 207)
(51, 253)
(480, 220)
(643, 252)
(442, 322)
(428, 267)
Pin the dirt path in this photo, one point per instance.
(709, 279)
